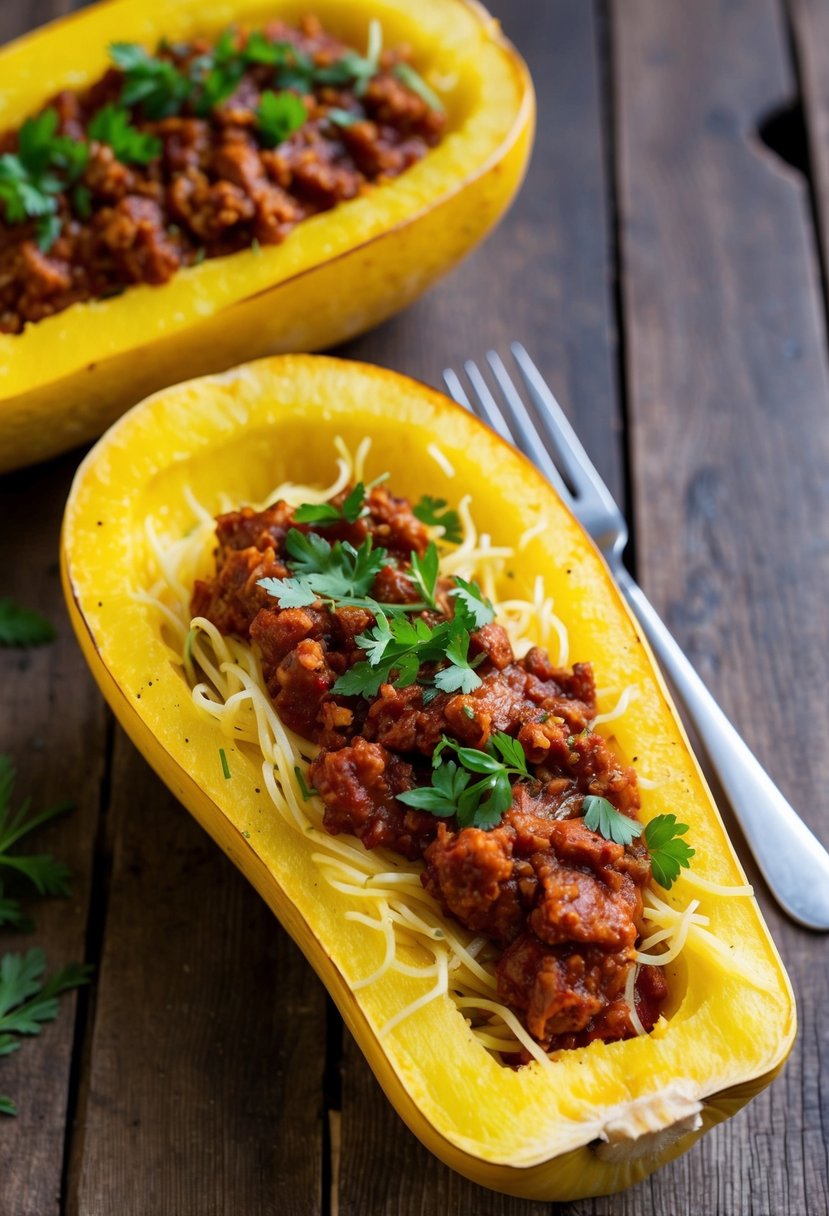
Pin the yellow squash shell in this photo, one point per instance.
(66, 378)
(600, 1118)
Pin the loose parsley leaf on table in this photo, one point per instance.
(436, 513)
(49, 877)
(27, 1000)
(478, 804)
(22, 626)
(667, 852)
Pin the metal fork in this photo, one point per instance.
(792, 860)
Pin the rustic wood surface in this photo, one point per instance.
(663, 268)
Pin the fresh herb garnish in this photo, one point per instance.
(667, 852)
(112, 126)
(30, 179)
(322, 571)
(406, 74)
(424, 573)
(154, 84)
(601, 816)
(278, 116)
(27, 1001)
(323, 513)
(21, 626)
(343, 118)
(475, 602)
(306, 790)
(216, 75)
(436, 513)
(478, 804)
(48, 876)
(225, 766)
(352, 68)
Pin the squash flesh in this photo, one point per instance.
(338, 273)
(524, 1131)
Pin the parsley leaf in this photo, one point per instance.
(323, 513)
(424, 572)
(112, 126)
(601, 816)
(352, 68)
(216, 75)
(413, 81)
(477, 605)
(460, 675)
(154, 84)
(479, 804)
(323, 571)
(343, 118)
(27, 1001)
(278, 116)
(436, 513)
(30, 179)
(50, 877)
(668, 852)
(23, 627)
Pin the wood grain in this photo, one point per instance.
(53, 725)
(203, 1084)
(728, 394)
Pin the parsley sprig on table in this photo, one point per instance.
(48, 876)
(662, 835)
(21, 626)
(453, 791)
(27, 1000)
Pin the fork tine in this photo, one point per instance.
(522, 426)
(456, 389)
(559, 433)
(487, 407)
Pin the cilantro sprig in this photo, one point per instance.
(662, 835)
(436, 513)
(453, 791)
(337, 573)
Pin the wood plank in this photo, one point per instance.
(728, 395)
(204, 1083)
(53, 724)
(543, 278)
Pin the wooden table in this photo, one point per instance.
(668, 272)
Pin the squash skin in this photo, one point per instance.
(338, 274)
(513, 1131)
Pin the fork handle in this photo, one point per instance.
(792, 860)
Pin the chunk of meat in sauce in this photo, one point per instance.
(358, 785)
(559, 989)
(474, 876)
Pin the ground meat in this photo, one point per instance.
(472, 874)
(564, 902)
(358, 785)
(216, 186)
(559, 989)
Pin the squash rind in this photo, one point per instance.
(339, 273)
(513, 1131)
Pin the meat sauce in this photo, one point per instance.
(214, 187)
(561, 904)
